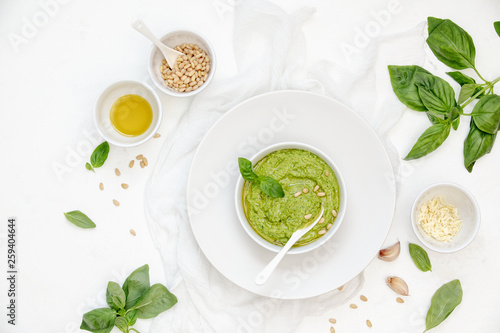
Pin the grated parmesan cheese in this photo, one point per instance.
(439, 219)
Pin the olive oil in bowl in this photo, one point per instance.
(131, 115)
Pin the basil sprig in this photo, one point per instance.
(135, 299)
(268, 185)
(79, 219)
(444, 301)
(98, 157)
(420, 257)
(421, 91)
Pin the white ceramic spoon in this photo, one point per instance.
(169, 54)
(269, 269)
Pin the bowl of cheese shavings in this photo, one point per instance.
(445, 217)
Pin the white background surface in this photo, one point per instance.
(49, 86)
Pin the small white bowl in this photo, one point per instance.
(320, 241)
(467, 209)
(106, 99)
(172, 39)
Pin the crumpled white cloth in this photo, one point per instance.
(269, 49)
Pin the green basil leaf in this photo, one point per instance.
(451, 44)
(486, 114)
(246, 169)
(429, 141)
(89, 167)
(461, 78)
(156, 300)
(100, 155)
(122, 325)
(456, 123)
(79, 219)
(496, 25)
(136, 285)
(115, 296)
(444, 301)
(271, 187)
(436, 94)
(131, 317)
(476, 145)
(466, 92)
(434, 119)
(420, 257)
(403, 84)
(99, 320)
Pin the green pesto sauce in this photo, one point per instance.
(276, 219)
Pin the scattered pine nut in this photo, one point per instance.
(116, 203)
(334, 213)
(297, 194)
(353, 306)
(316, 188)
(332, 330)
(131, 164)
(139, 157)
(363, 298)
(368, 323)
(329, 226)
(117, 172)
(145, 160)
(157, 135)
(321, 194)
(340, 288)
(305, 190)
(400, 300)
(132, 231)
(327, 173)
(125, 186)
(142, 164)
(321, 220)
(101, 186)
(308, 216)
(333, 321)
(322, 232)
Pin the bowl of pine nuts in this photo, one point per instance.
(192, 72)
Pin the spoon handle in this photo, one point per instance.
(269, 269)
(140, 26)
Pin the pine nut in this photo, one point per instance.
(305, 190)
(101, 186)
(157, 135)
(340, 288)
(139, 157)
(400, 300)
(321, 220)
(131, 164)
(308, 216)
(329, 226)
(333, 321)
(132, 231)
(117, 172)
(116, 203)
(125, 186)
(142, 164)
(321, 194)
(334, 213)
(322, 232)
(332, 330)
(353, 306)
(145, 160)
(316, 188)
(297, 194)
(368, 323)
(363, 298)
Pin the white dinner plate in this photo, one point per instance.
(301, 117)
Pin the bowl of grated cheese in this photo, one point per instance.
(445, 217)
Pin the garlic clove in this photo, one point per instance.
(398, 285)
(391, 253)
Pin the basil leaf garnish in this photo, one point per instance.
(79, 219)
(99, 156)
(461, 78)
(429, 141)
(444, 301)
(122, 324)
(476, 145)
(496, 25)
(436, 94)
(136, 285)
(156, 300)
(486, 114)
(420, 257)
(451, 44)
(131, 317)
(246, 169)
(466, 92)
(115, 296)
(403, 83)
(99, 320)
(89, 167)
(271, 187)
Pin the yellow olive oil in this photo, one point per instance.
(131, 115)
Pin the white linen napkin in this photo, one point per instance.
(208, 302)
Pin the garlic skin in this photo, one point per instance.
(398, 285)
(391, 253)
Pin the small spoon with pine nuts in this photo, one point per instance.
(169, 54)
(265, 274)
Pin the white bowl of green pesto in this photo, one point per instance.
(309, 179)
